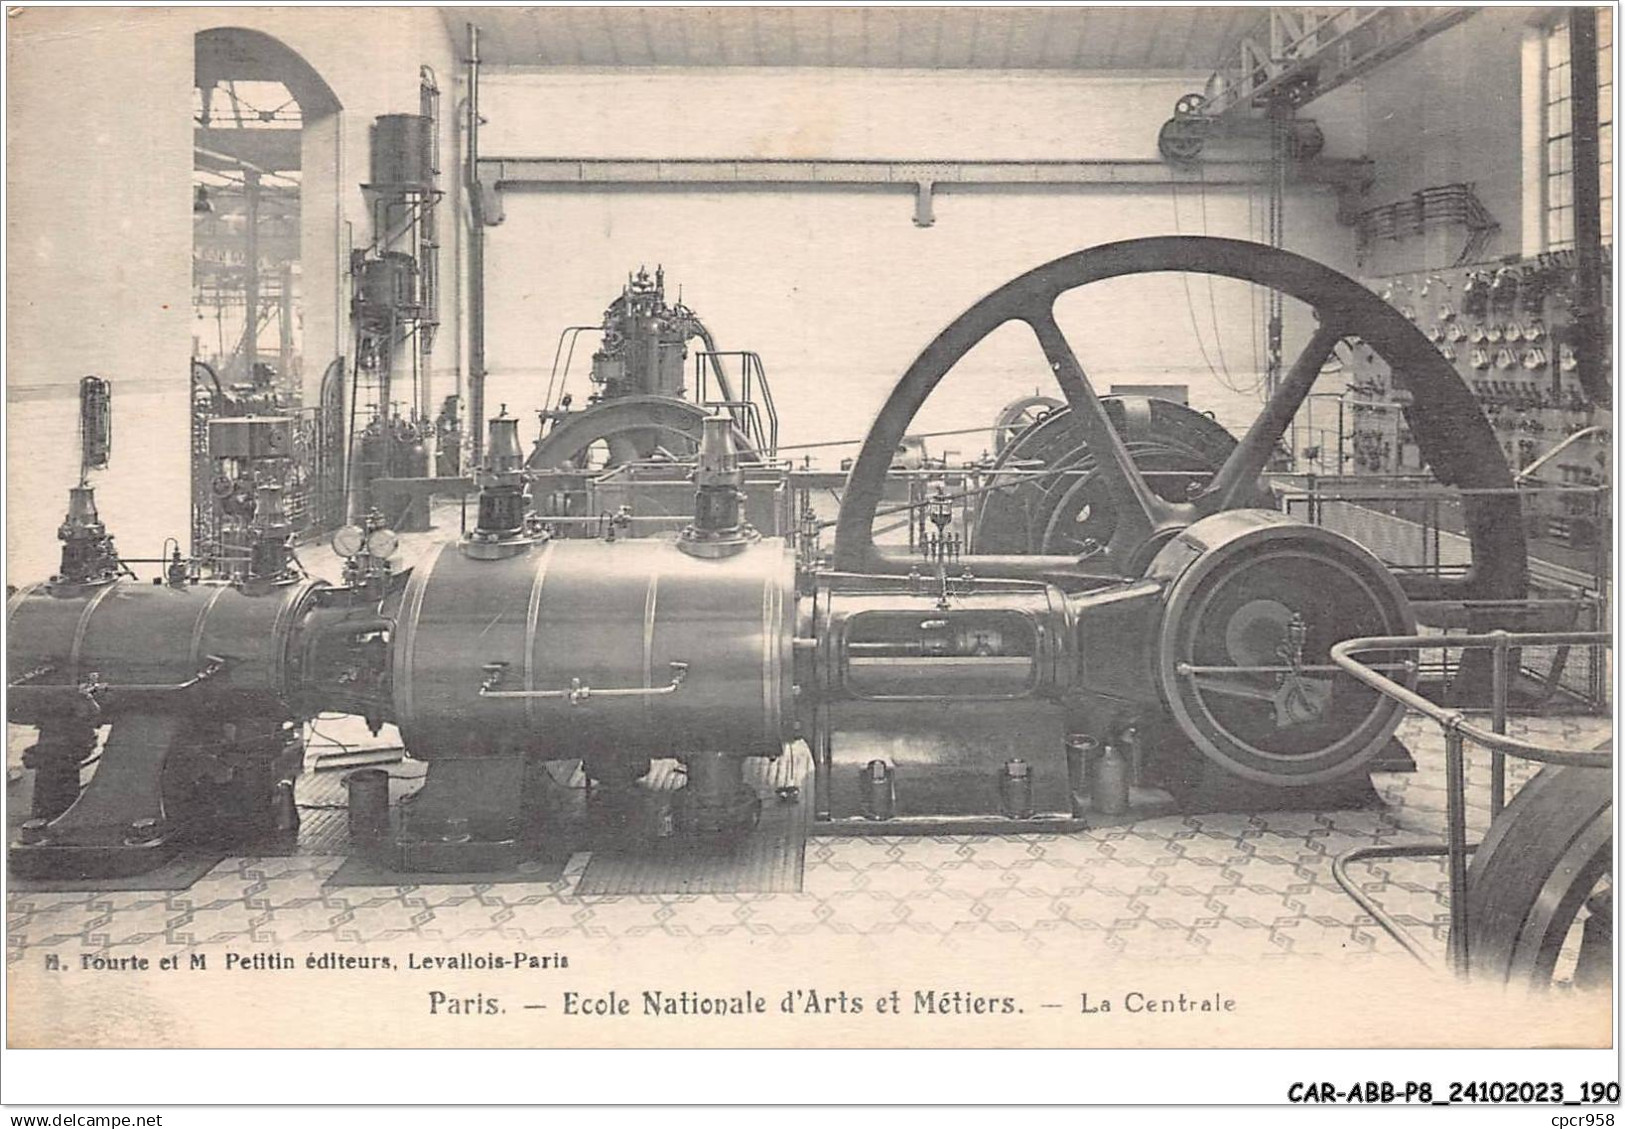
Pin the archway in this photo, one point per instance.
(265, 257)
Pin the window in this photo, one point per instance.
(1559, 131)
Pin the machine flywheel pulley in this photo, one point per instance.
(1541, 865)
(1049, 496)
(1110, 486)
(623, 430)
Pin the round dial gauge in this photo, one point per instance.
(348, 540)
(382, 542)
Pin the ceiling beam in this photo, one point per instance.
(264, 150)
(921, 177)
(1308, 52)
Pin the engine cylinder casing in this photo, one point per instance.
(599, 615)
(133, 634)
(942, 689)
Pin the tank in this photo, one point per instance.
(642, 650)
(402, 152)
(129, 634)
(388, 283)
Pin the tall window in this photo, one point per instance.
(1560, 171)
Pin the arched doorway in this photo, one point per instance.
(265, 259)
(254, 100)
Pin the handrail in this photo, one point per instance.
(755, 395)
(572, 332)
(1457, 730)
(1455, 720)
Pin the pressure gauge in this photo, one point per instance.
(382, 542)
(349, 540)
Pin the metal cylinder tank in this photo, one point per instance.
(136, 637)
(628, 648)
(387, 283)
(402, 152)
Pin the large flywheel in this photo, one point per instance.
(1113, 489)
(1451, 432)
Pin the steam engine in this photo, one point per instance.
(935, 692)
(1045, 690)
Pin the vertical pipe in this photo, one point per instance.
(1438, 541)
(249, 350)
(1340, 456)
(1498, 760)
(476, 261)
(1456, 826)
(285, 316)
(1590, 343)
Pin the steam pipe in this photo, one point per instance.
(476, 259)
(716, 365)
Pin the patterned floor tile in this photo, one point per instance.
(1178, 889)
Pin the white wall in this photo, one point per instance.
(100, 231)
(825, 112)
(837, 289)
(1450, 111)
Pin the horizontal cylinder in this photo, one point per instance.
(146, 637)
(596, 648)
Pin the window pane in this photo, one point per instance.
(1559, 155)
(1557, 44)
(1559, 127)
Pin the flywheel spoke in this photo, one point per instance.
(1139, 511)
(1235, 481)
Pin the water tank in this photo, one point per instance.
(402, 152)
(386, 286)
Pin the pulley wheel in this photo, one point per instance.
(1542, 860)
(1244, 650)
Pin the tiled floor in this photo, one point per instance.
(1175, 889)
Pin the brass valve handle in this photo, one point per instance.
(577, 693)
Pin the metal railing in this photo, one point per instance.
(754, 412)
(1418, 528)
(1457, 731)
(1436, 525)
